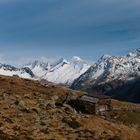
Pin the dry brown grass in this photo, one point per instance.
(103, 126)
(31, 120)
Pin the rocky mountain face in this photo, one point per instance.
(128, 91)
(114, 76)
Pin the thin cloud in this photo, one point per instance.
(19, 62)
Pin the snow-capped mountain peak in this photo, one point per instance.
(110, 68)
(106, 56)
(60, 63)
(66, 72)
(37, 63)
(76, 58)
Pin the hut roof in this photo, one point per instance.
(89, 99)
(99, 96)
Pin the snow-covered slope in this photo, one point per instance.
(8, 70)
(38, 68)
(66, 72)
(62, 71)
(110, 68)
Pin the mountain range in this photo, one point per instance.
(61, 71)
(116, 76)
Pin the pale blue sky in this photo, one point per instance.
(63, 28)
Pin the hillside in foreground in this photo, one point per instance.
(29, 111)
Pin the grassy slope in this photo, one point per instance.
(125, 112)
